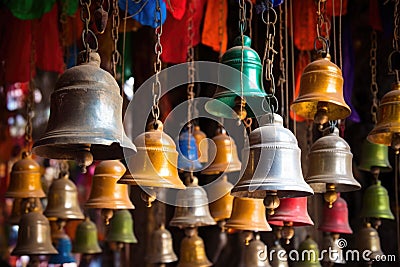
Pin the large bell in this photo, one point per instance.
(321, 93)
(336, 218)
(25, 179)
(34, 235)
(62, 202)
(248, 214)
(161, 247)
(121, 228)
(226, 158)
(368, 239)
(64, 248)
(376, 203)
(221, 208)
(333, 251)
(308, 254)
(388, 125)
(193, 253)
(374, 156)
(279, 256)
(155, 164)
(202, 144)
(86, 238)
(85, 117)
(188, 159)
(191, 209)
(22, 206)
(255, 254)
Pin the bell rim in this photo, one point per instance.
(118, 205)
(299, 223)
(228, 167)
(382, 134)
(149, 181)
(298, 105)
(343, 186)
(240, 227)
(37, 194)
(183, 222)
(224, 109)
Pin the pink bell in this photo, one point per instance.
(336, 219)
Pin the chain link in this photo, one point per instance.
(242, 26)
(242, 17)
(116, 56)
(374, 85)
(323, 27)
(250, 19)
(156, 89)
(30, 101)
(220, 26)
(87, 33)
(282, 74)
(396, 30)
(190, 60)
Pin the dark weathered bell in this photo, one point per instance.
(191, 209)
(86, 238)
(376, 203)
(188, 159)
(193, 253)
(221, 208)
(22, 206)
(321, 93)
(309, 254)
(64, 248)
(121, 228)
(368, 240)
(279, 256)
(62, 202)
(374, 156)
(85, 117)
(202, 144)
(255, 254)
(161, 247)
(25, 179)
(226, 158)
(34, 235)
(336, 218)
(333, 252)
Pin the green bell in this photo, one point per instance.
(121, 228)
(376, 203)
(86, 238)
(374, 156)
(308, 254)
(227, 102)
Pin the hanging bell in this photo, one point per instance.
(64, 255)
(22, 206)
(387, 129)
(321, 93)
(155, 164)
(193, 253)
(201, 143)
(161, 247)
(191, 209)
(374, 156)
(85, 117)
(62, 202)
(121, 228)
(255, 254)
(34, 237)
(308, 254)
(333, 251)
(25, 179)
(368, 240)
(188, 159)
(336, 218)
(248, 214)
(86, 238)
(221, 208)
(279, 256)
(226, 158)
(376, 203)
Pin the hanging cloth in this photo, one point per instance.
(143, 11)
(302, 61)
(304, 26)
(210, 36)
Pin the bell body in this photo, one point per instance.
(292, 210)
(376, 203)
(34, 235)
(248, 214)
(106, 193)
(368, 239)
(335, 219)
(279, 256)
(161, 247)
(333, 252)
(202, 144)
(25, 180)
(251, 255)
(121, 228)
(188, 159)
(193, 253)
(85, 116)
(374, 156)
(221, 208)
(321, 84)
(86, 238)
(225, 99)
(388, 118)
(64, 255)
(272, 148)
(308, 248)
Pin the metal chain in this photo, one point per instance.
(87, 33)
(30, 101)
(396, 30)
(220, 26)
(116, 56)
(374, 85)
(249, 20)
(190, 61)
(156, 89)
(323, 27)
(282, 75)
(242, 28)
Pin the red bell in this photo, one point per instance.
(336, 219)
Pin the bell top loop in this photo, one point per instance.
(110, 168)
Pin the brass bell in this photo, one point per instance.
(226, 158)
(376, 203)
(221, 208)
(368, 239)
(34, 235)
(255, 254)
(308, 254)
(279, 256)
(193, 253)
(191, 209)
(248, 214)
(155, 164)
(86, 238)
(25, 179)
(387, 129)
(374, 156)
(321, 93)
(333, 251)
(85, 121)
(121, 228)
(62, 202)
(161, 247)
(202, 144)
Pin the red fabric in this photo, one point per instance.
(304, 26)
(374, 16)
(302, 62)
(178, 8)
(210, 36)
(336, 11)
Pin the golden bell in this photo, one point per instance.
(155, 164)
(374, 156)
(22, 206)
(193, 253)
(202, 144)
(86, 238)
(221, 209)
(34, 235)
(121, 228)
(255, 254)
(25, 179)
(248, 214)
(279, 256)
(368, 239)
(226, 158)
(376, 203)
(63, 200)
(321, 93)
(191, 208)
(161, 247)
(308, 254)
(388, 124)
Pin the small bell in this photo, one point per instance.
(255, 254)
(336, 219)
(161, 247)
(64, 255)
(202, 144)
(22, 206)
(279, 256)
(308, 254)
(333, 251)
(374, 156)
(376, 203)
(193, 253)
(188, 159)
(368, 240)
(121, 228)
(86, 238)
(221, 208)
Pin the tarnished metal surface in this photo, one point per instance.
(161, 247)
(121, 228)
(193, 253)
(86, 238)
(376, 203)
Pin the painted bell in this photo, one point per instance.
(121, 228)
(86, 238)
(62, 202)
(227, 102)
(388, 124)
(193, 253)
(161, 247)
(25, 179)
(374, 156)
(248, 214)
(155, 164)
(221, 208)
(85, 121)
(368, 239)
(64, 255)
(202, 144)
(279, 256)
(308, 248)
(191, 209)
(333, 251)
(22, 206)
(226, 158)
(252, 256)
(321, 93)
(376, 203)
(335, 219)
(188, 159)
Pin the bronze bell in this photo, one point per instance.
(85, 121)
(374, 157)
(22, 206)
(255, 254)
(309, 254)
(155, 164)
(63, 200)
(368, 239)
(34, 237)
(226, 158)
(191, 208)
(279, 256)
(221, 208)
(161, 247)
(86, 238)
(248, 214)
(387, 129)
(121, 228)
(193, 253)
(333, 251)
(202, 144)
(376, 203)
(25, 179)
(321, 93)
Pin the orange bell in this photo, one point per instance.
(221, 208)
(202, 144)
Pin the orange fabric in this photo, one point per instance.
(210, 35)
(336, 11)
(302, 62)
(304, 26)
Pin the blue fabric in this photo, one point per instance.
(144, 11)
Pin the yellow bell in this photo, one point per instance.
(202, 144)
(221, 208)
(193, 253)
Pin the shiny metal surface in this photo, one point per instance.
(221, 208)
(374, 156)
(193, 253)
(202, 144)
(161, 247)
(188, 159)
(376, 203)
(121, 228)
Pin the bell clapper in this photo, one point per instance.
(221, 225)
(287, 231)
(239, 108)
(375, 172)
(61, 224)
(321, 116)
(331, 195)
(271, 202)
(148, 196)
(84, 158)
(247, 236)
(395, 144)
(376, 222)
(190, 231)
(107, 214)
